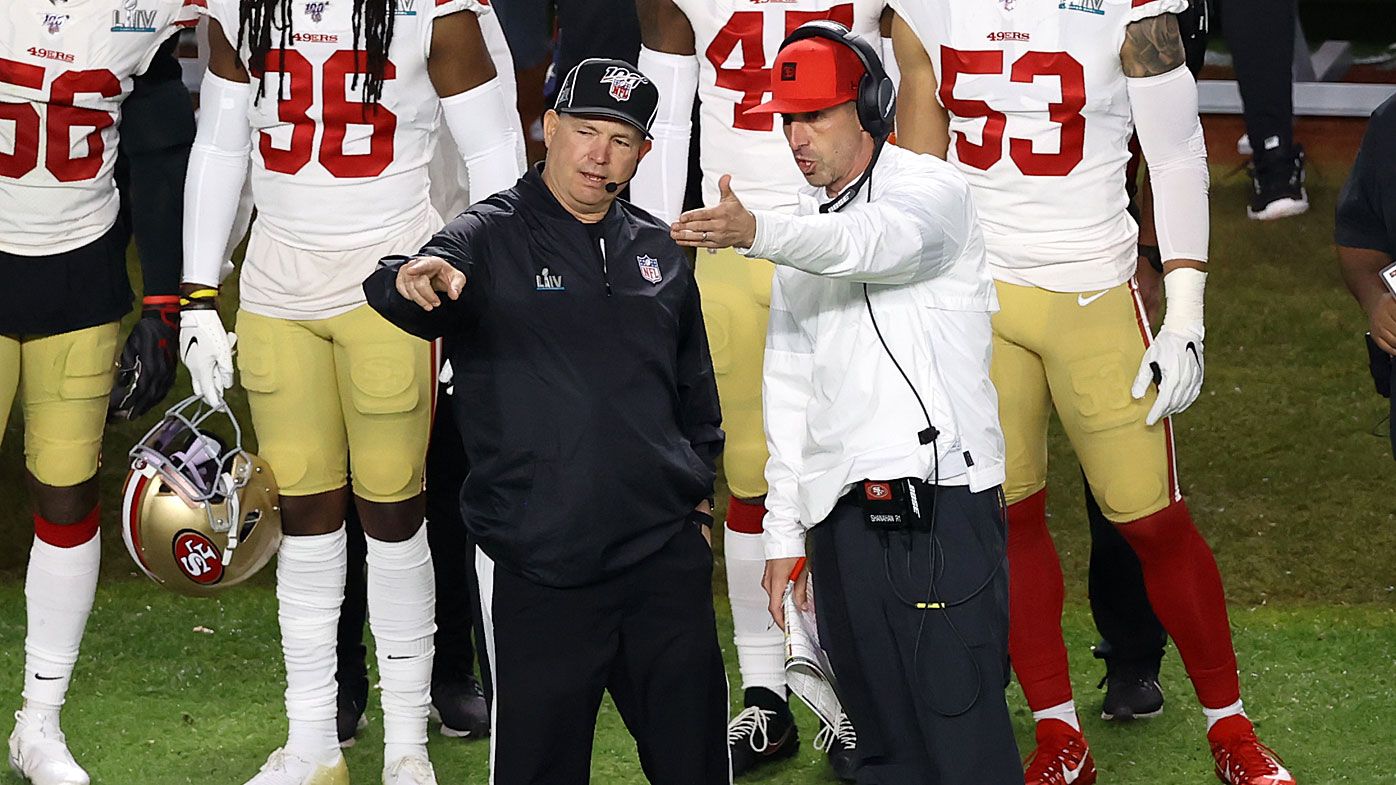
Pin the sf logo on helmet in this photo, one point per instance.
(198, 557)
(622, 81)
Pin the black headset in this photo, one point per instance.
(877, 96)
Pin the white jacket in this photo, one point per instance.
(837, 408)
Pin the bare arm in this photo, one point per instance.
(923, 125)
(1360, 267)
(459, 60)
(222, 58)
(664, 28)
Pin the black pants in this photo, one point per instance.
(1129, 630)
(648, 636)
(1260, 34)
(451, 557)
(925, 689)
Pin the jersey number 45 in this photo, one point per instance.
(753, 78)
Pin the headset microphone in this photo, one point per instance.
(612, 187)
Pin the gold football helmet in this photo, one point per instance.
(196, 514)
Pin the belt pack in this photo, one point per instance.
(893, 505)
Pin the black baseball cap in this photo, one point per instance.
(613, 89)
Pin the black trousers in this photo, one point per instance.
(1260, 34)
(648, 636)
(924, 688)
(1129, 630)
(452, 558)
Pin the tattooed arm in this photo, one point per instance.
(1152, 47)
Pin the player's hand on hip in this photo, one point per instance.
(420, 280)
(1174, 362)
(728, 224)
(206, 349)
(775, 580)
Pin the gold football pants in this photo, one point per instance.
(1077, 354)
(326, 393)
(736, 308)
(63, 382)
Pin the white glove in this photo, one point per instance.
(206, 349)
(1176, 354)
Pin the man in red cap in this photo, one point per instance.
(881, 421)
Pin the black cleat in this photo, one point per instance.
(1132, 691)
(350, 702)
(840, 743)
(1277, 184)
(762, 732)
(460, 707)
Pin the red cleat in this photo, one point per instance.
(1241, 758)
(1061, 758)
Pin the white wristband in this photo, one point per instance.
(1183, 289)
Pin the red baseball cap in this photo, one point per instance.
(812, 74)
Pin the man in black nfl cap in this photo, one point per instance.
(587, 406)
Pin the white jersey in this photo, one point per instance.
(1040, 124)
(64, 72)
(335, 186)
(737, 42)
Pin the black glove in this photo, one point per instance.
(146, 371)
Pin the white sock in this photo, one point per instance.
(58, 588)
(1217, 715)
(1066, 712)
(760, 643)
(402, 616)
(309, 592)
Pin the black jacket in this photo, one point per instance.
(583, 387)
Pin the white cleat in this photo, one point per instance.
(39, 753)
(284, 767)
(409, 770)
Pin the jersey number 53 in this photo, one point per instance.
(1025, 70)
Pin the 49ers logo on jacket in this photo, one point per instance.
(198, 558)
(622, 81)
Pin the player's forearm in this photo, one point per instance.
(217, 168)
(1170, 134)
(1361, 272)
(156, 134)
(486, 130)
(662, 176)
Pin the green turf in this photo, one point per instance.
(158, 702)
(1284, 461)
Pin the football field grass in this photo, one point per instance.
(1284, 461)
(177, 692)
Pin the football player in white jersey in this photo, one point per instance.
(66, 72)
(723, 51)
(335, 104)
(1035, 101)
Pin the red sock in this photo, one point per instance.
(1185, 589)
(1035, 594)
(745, 517)
(67, 535)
